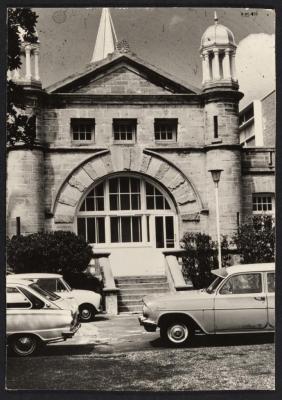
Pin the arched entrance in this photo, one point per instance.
(133, 217)
(146, 200)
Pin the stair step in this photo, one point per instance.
(135, 308)
(138, 293)
(136, 286)
(137, 280)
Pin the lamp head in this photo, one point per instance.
(215, 174)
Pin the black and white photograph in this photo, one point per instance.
(140, 199)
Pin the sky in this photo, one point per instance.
(168, 38)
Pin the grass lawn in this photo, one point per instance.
(237, 367)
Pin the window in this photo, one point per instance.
(124, 194)
(95, 199)
(242, 284)
(124, 130)
(82, 129)
(155, 199)
(247, 115)
(271, 282)
(215, 126)
(92, 229)
(16, 299)
(127, 209)
(166, 129)
(263, 203)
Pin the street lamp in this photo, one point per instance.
(216, 178)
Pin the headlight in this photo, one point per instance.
(146, 311)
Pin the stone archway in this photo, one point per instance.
(120, 159)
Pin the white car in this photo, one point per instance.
(88, 302)
(240, 300)
(36, 317)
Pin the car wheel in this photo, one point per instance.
(24, 345)
(177, 333)
(86, 312)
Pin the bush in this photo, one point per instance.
(255, 240)
(201, 256)
(54, 252)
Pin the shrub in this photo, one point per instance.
(57, 252)
(255, 240)
(201, 256)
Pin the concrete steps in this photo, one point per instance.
(133, 288)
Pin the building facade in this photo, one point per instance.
(124, 151)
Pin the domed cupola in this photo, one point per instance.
(28, 73)
(218, 50)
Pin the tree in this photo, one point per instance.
(201, 257)
(20, 126)
(255, 240)
(54, 252)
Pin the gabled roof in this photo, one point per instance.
(100, 68)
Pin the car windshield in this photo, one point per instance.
(66, 285)
(45, 293)
(214, 284)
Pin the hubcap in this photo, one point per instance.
(24, 345)
(85, 313)
(178, 333)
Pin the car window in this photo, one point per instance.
(242, 283)
(60, 286)
(37, 303)
(271, 282)
(16, 299)
(47, 284)
(45, 292)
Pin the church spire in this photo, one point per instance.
(106, 37)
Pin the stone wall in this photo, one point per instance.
(56, 124)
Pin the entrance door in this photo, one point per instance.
(164, 231)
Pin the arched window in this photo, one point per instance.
(127, 210)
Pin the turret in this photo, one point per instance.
(218, 51)
(25, 166)
(221, 99)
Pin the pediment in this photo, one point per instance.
(122, 74)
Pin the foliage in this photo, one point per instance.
(20, 126)
(54, 252)
(255, 240)
(201, 256)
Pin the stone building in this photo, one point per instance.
(123, 155)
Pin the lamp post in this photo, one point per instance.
(216, 178)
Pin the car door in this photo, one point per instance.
(270, 294)
(240, 304)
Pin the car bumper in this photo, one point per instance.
(149, 325)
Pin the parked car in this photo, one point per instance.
(89, 303)
(36, 317)
(240, 300)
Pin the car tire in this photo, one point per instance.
(24, 345)
(86, 312)
(177, 333)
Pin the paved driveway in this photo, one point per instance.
(112, 334)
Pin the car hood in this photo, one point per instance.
(182, 297)
(80, 293)
(64, 304)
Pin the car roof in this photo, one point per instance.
(18, 281)
(35, 275)
(258, 267)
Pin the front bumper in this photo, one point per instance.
(149, 325)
